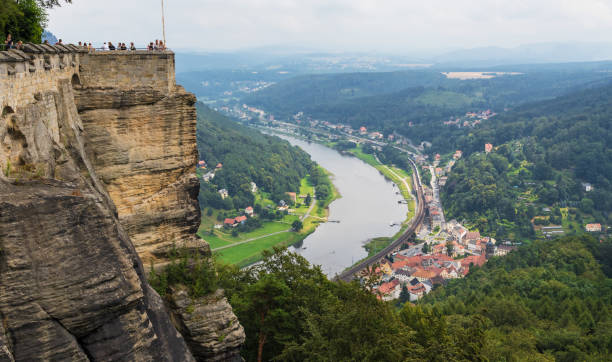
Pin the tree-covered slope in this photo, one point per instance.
(546, 301)
(247, 156)
(543, 154)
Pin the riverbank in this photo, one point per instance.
(246, 248)
(401, 178)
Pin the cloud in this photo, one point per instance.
(386, 25)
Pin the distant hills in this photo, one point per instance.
(304, 61)
(526, 54)
(49, 36)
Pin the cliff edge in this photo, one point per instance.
(98, 157)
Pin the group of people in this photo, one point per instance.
(9, 43)
(158, 45)
(119, 46)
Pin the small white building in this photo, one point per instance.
(253, 187)
(224, 194)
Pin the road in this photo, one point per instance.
(436, 194)
(249, 240)
(312, 205)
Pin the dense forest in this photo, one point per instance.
(247, 156)
(549, 300)
(546, 301)
(544, 152)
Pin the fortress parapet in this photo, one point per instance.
(37, 68)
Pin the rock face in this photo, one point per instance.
(208, 324)
(75, 185)
(140, 137)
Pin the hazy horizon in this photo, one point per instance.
(394, 27)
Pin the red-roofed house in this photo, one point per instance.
(488, 147)
(472, 235)
(219, 165)
(249, 211)
(240, 219)
(229, 221)
(390, 290)
(292, 196)
(473, 259)
(593, 228)
(426, 273)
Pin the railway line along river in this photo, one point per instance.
(367, 206)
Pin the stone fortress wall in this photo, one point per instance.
(35, 70)
(129, 69)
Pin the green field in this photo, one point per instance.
(250, 251)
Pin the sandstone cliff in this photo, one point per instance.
(140, 136)
(76, 185)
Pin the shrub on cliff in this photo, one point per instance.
(188, 268)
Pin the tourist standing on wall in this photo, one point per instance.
(8, 42)
(132, 46)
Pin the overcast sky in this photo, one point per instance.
(396, 26)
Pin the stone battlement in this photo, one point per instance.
(37, 68)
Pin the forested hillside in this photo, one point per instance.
(543, 154)
(389, 101)
(547, 301)
(246, 156)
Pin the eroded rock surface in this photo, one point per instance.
(208, 324)
(78, 189)
(142, 145)
(71, 284)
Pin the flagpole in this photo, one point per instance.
(163, 23)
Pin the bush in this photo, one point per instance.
(186, 268)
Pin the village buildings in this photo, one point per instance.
(593, 228)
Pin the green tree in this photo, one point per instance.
(24, 20)
(297, 225)
(450, 248)
(265, 301)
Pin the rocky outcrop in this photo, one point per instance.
(208, 324)
(71, 284)
(141, 141)
(78, 189)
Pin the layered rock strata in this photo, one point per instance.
(208, 324)
(140, 137)
(74, 190)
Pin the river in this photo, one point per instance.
(367, 206)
